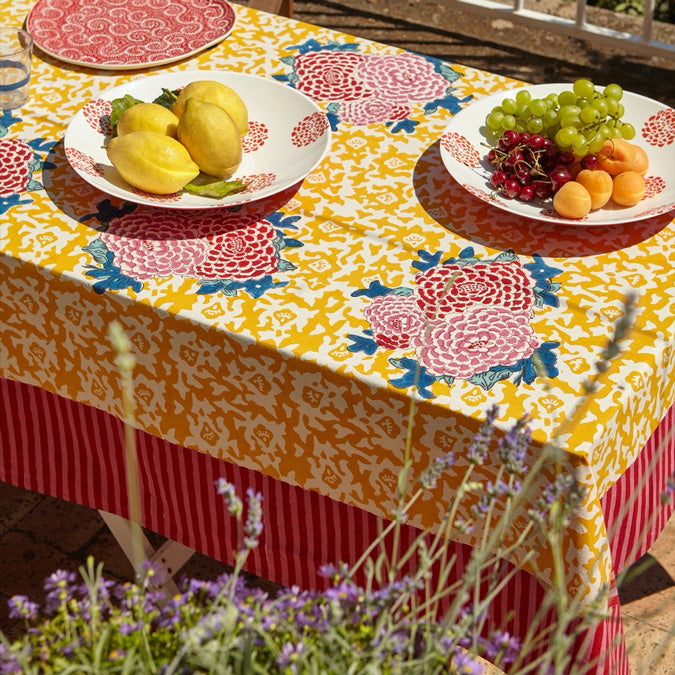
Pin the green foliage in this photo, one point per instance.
(664, 10)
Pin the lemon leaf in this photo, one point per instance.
(214, 188)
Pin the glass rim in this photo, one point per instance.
(19, 32)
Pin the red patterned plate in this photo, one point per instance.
(464, 154)
(288, 136)
(126, 34)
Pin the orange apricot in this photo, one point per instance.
(628, 188)
(572, 200)
(616, 155)
(641, 163)
(599, 186)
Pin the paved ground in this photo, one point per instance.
(39, 534)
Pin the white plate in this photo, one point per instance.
(288, 137)
(126, 34)
(464, 153)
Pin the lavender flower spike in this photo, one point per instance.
(477, 450)
(229, 494)
(253, 526)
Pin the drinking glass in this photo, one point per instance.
(16, 48)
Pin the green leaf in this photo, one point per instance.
(167, 97)
(119, 105)
(208, 186)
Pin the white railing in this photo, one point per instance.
(579, 26)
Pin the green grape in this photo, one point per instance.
(494, 120)
(604, 131)
(552, 99)
(509, 106)
(550, 118)
(613, 91)
(581, 147)
(523, 111)
(508, 122)
(538, 107)
(535, 125)
(600, 105)
(584, 87)
(523, 97)
(627, 131)
(497, 109)
(567, 98)
(570, 121)
(589, 115)
(566, 137)
(520, 126)
(582, 102)
(566, 110)
(620, 110)
(612, 105)
(596, 143)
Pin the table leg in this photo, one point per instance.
(170, 556)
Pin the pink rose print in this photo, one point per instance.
(471, 342)
(154, 244)
(503, 283)
(246, 252)
(653, 186)
(402, 77)
(396, 321)
(460, 148)
(372, 110)
(15, 159)
(327, 75)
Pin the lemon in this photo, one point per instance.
(152, 162)
(147, 117)
(218, 93)
(211, 137)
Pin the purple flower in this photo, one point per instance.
(477, 451)
(253, 526)
(229, 493)
(345, 592)
(20, 607)
(61, 579)
(512, 448)
(430, 476)
(502, 647)
(289, 655)
(465, 664)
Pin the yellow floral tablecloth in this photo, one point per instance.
(287, 340)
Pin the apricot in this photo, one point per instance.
(641, 163)
(628, 188)
(572, 200)
(599, 186)
(616, 156)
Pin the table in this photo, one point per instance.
(297, 379)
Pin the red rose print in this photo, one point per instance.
(15, 159)
(327, 75)
(310, 128)
(97, 113)
(453, 288)
(659, 129)
(396, 321)
(460, 148)
(653, 185)
(255, 137)
(83, 162)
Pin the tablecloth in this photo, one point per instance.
(283, 337)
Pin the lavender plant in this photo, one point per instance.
(412, 615)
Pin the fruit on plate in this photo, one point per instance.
(578, 119)
(628, 188)
(152, 162)
(616, 155)
(572, 200)
(599, 185)
(218, 94)
(147, 117)
(211, 137)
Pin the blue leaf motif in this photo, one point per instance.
(427, 260)
(487, 379)
(374, 290)
(98, 251)
(406, 125)
(13, 200)
(362, 343)
(414, 376)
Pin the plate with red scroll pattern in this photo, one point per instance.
(464, 153)
(288, 136)
(128, 34)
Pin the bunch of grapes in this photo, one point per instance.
(578, 120)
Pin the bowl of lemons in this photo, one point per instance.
(197, 139)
